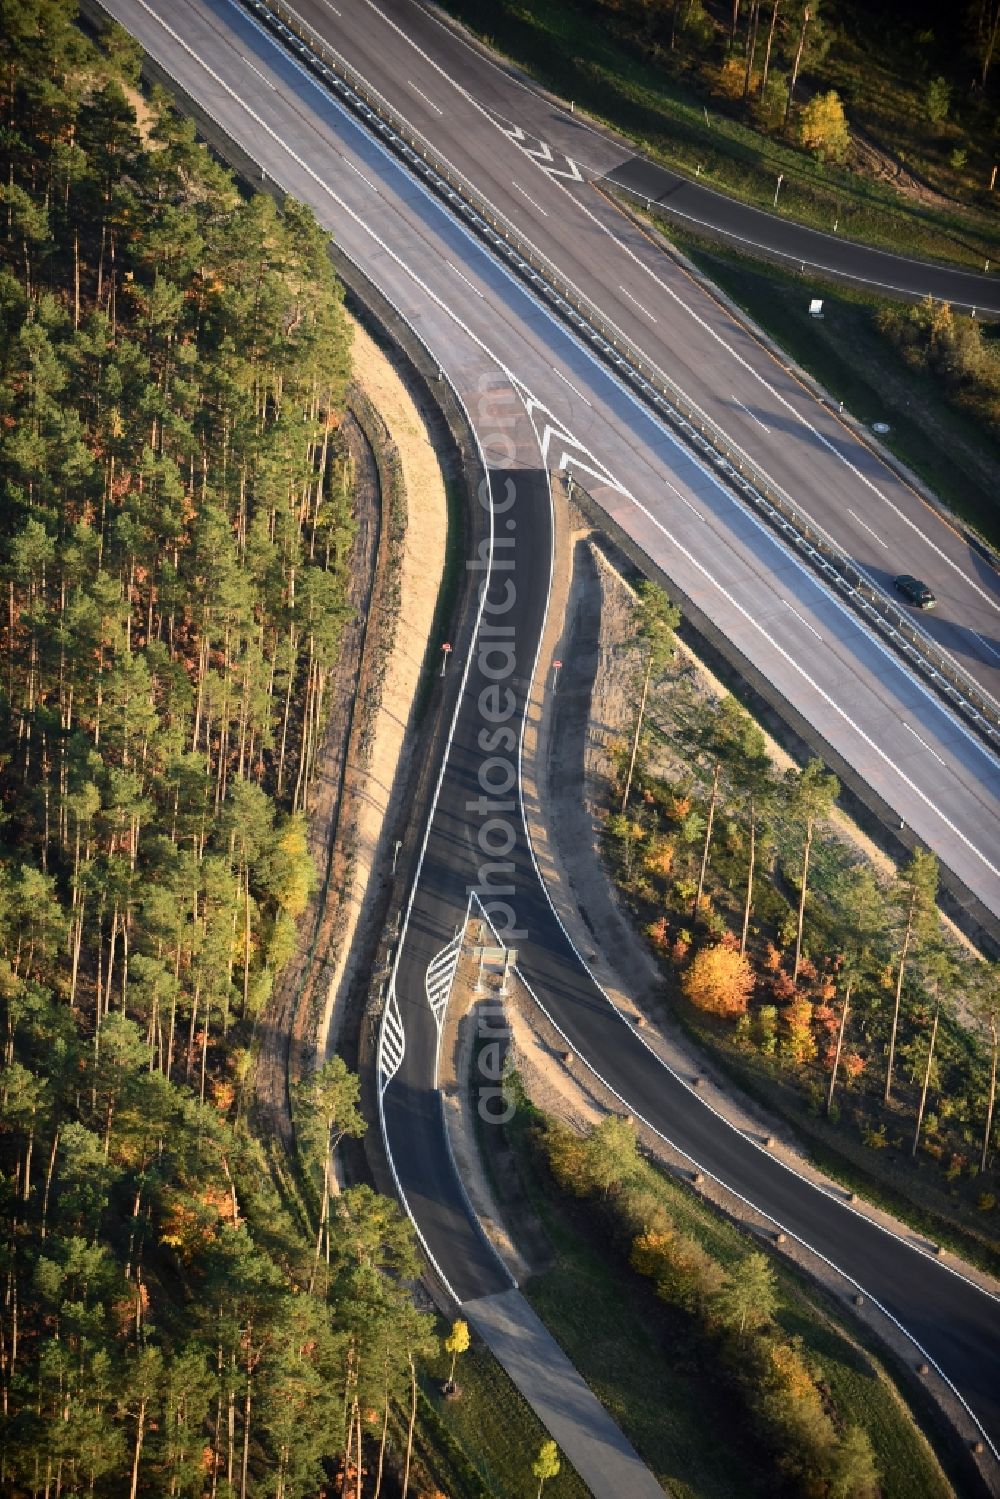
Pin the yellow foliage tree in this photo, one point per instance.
(456, 1342)
(567, 1155)
(685, 1274)
(800, 1043)
(789, 1373)
(650, 1253)
(719, 980)
(660, 858)
(731, 77)
(823, 126)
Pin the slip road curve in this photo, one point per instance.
(471, 829)
(953, 1321)
(538, 168)
(477, 841)
(598, 154)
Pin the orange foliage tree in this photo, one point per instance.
(719, 980)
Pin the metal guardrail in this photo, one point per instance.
(631, 364)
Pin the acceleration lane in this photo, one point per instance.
(808, 452)
(954, 1321)
(596, 152)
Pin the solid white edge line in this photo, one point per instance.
(813, 265)
(758, 375)
(572, 945)
(634, 400)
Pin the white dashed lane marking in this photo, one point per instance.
(437, 109)
(644, 310)
(530, 199)
(752, 415)
(572, 387)
(801, 619)
(868, 528)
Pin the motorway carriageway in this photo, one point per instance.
(500, 348)
(873, 716)
(568, 144)
(511, 144)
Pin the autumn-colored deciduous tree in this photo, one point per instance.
(747, 1299)
(799, 1043)
(683, 1271)
(823, 126)
(598, 1162)
(719, 980)
(610, 1153)
(546, 1465)
(455, 1343)
(852, 1468)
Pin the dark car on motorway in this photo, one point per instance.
(915, 592)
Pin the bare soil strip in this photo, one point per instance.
(395, 571)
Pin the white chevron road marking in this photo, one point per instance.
(541, 154)
(441, 975)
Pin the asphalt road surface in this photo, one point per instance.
(597, 154)
(511, 145)
(871, 714)
(537, 399)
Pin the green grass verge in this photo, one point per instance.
(845, 352)
(573, 50)
(657, 1377)
(496, 1430)
(911, 1192)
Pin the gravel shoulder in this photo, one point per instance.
(400, 653)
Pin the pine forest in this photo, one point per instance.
(173, 358)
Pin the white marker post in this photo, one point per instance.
(445, 653)
(777, 190)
